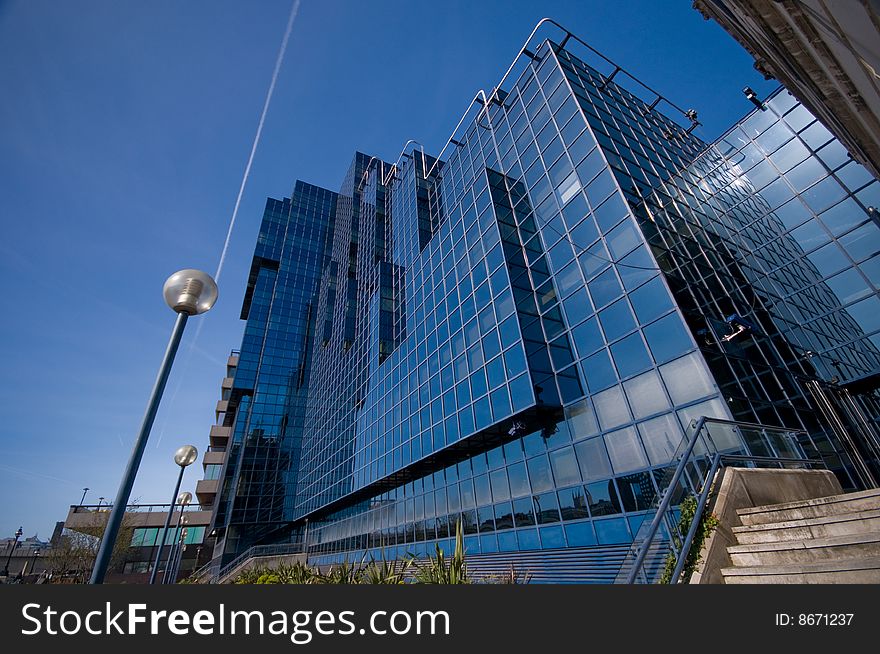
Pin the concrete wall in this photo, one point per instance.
(740, 488)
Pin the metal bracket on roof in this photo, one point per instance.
(609, 78)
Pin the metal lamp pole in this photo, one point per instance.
(183, 457)
(171, 574)
(11, 550)
(85, 490)
(172, 556)
(188, 292)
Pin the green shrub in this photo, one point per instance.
(708, 522)
(436, 570)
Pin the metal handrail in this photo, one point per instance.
(718, 460)
(666, 498)
(665, 501)
(261, 550)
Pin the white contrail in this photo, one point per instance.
(247, 170)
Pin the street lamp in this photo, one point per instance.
(85, 490)
(11, 550)
(188, 292)
(174, 568)
(100, 499)
(172, 555)
(183, 500)
(183, 457)
(35, 554)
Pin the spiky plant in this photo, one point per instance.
(343, 573)
(512, 576)
(296, 573)
(384, 572)
(437, 570)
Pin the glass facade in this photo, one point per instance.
(265, 408)
(517, 337)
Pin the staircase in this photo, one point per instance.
(829, 540)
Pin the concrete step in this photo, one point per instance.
(823, 506)
(860, 522)
(841, 571)
(849, 546)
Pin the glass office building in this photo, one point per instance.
(517, 336)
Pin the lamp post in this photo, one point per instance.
(85, 490)
(100, 499)
(11, 550)
(183, 457)
(174, 568)
(172, 555)
(34, 556)
(188, 292)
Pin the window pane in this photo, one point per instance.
(611, 408)
(539, 474)
(661, 436)
(602, 498)
(593, 459)
(645, 394)
(625, 450)
(546, 508)
(573, 503)
(636, 491)
(565, 467)
(687, 379)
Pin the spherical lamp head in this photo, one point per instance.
(190, 291)
(186, 455)
(184, 498)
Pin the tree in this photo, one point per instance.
(72, 558)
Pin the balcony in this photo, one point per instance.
(220, 435)
(213, 458)
(222, 407)
(227, 383)
(232, 361)
(206, 491)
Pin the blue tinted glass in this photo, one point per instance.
(527, 539)
(608, 214)
(521, 392)
(577, 306)
(546, 508)
(667, 338)
(650, 301)
(523, 512)
(495, 372)
(602, 498)
(587, 338)
(599, 371)
(617, 320)
(612, 531)
(552, 537)
(507, 541)
(509, 332)
(573, 503)
(539, 474)
(580, 534)
(500, 403)
(488, 543)
(630, 355)
(515, 361)
(605, 288)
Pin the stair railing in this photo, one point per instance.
(734, 442)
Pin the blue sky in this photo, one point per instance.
(126, 127)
